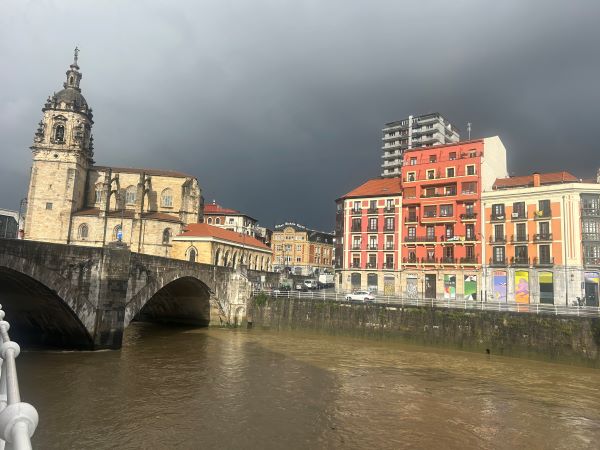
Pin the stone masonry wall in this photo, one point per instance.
(565, 340)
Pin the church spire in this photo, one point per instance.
(73, 74)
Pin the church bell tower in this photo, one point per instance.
(62, 154)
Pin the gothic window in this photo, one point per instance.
(83, 231)
(59, 133)
(117, 233)
(98, 193)
(166, 198)
(166, 236)
(192, 255)
(130, 195)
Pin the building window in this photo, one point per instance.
(166, 236)
(210, 220)
(498, 211)
(192, 255)
(452, 156)
(298, 259)
(389, 204)
(413, 161)
(98, 193)
(518, 210)
(449, 172)
(469, 252)
(430, 174)
(430, 232)
(356, 207)
(446, 211)
(217, 221)
(469, 187)
(429, 211)
(356, 224)
(499, 255)
(166, 198)
(298, 248)
(48, 205)
(449, 231)
(59, 133)
(389, 224)
(432, 158)
(411, 176)
(521, 254)
(117, 235)
(499, 233)
(83, 231)
(544, 208)
(544, 252)
(544, 229)
(412, 233)
(373, 224)
(130, 195)
(470, 170)
(521, 232)
(470, 232)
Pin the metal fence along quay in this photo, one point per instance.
(18, 420)
(395, 301)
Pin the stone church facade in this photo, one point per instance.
(72, 201)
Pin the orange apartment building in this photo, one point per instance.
(541, 238)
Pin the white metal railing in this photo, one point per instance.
(18, 420)
(531, 308)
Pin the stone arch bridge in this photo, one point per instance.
(84, 297)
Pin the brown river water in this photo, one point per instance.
(173, 388)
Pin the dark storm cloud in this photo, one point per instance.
(277, 106)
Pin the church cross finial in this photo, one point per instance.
(75, 55)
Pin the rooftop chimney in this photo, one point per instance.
(536, 179)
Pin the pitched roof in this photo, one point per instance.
(151, 172)
(377, 187)
(527, 180)
(204, 230)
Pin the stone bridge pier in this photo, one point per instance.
(84, 297)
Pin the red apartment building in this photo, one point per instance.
(441, 216)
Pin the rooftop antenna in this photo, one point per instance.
(469, 129)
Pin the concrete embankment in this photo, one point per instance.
(569, 340)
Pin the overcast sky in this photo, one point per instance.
(277, 106)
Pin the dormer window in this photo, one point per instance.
(59, 133)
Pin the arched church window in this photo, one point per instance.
(98, 193)
(71, 79)
(117, 233)
(166, 198)
(83, 231)
(59, 133)
(130, 195)
(166, 236)
(210, 220)
(192, 255)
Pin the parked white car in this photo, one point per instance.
(363, 296)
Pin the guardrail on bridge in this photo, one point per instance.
(529, 308)
(18, 420)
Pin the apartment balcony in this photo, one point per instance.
(518, 238)
(371, 265)
(356, 247)
(438, 218)
(543, 262)
(497, 262)
(497, 240)
(372, 247)
(590, 236)
(410, 239)
(519, 261)
(542, 215)
(411, 219)
(590, 212)
(468, 217)
(356, 212)
(497, 218)
(355, 265)
(428, 260)
(389, 209)
(518, 216)
(389, 229)
(542, 237)
(591, 261)
(355, 229)
(410, 260)
(448, 260)
(372, 229)
(469, 260)
(388, 266)
(389, 247)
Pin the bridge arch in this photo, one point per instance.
(42, 307)
(180, 297)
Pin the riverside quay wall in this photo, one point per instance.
(571, 340)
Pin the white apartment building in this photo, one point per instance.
(413, 132)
